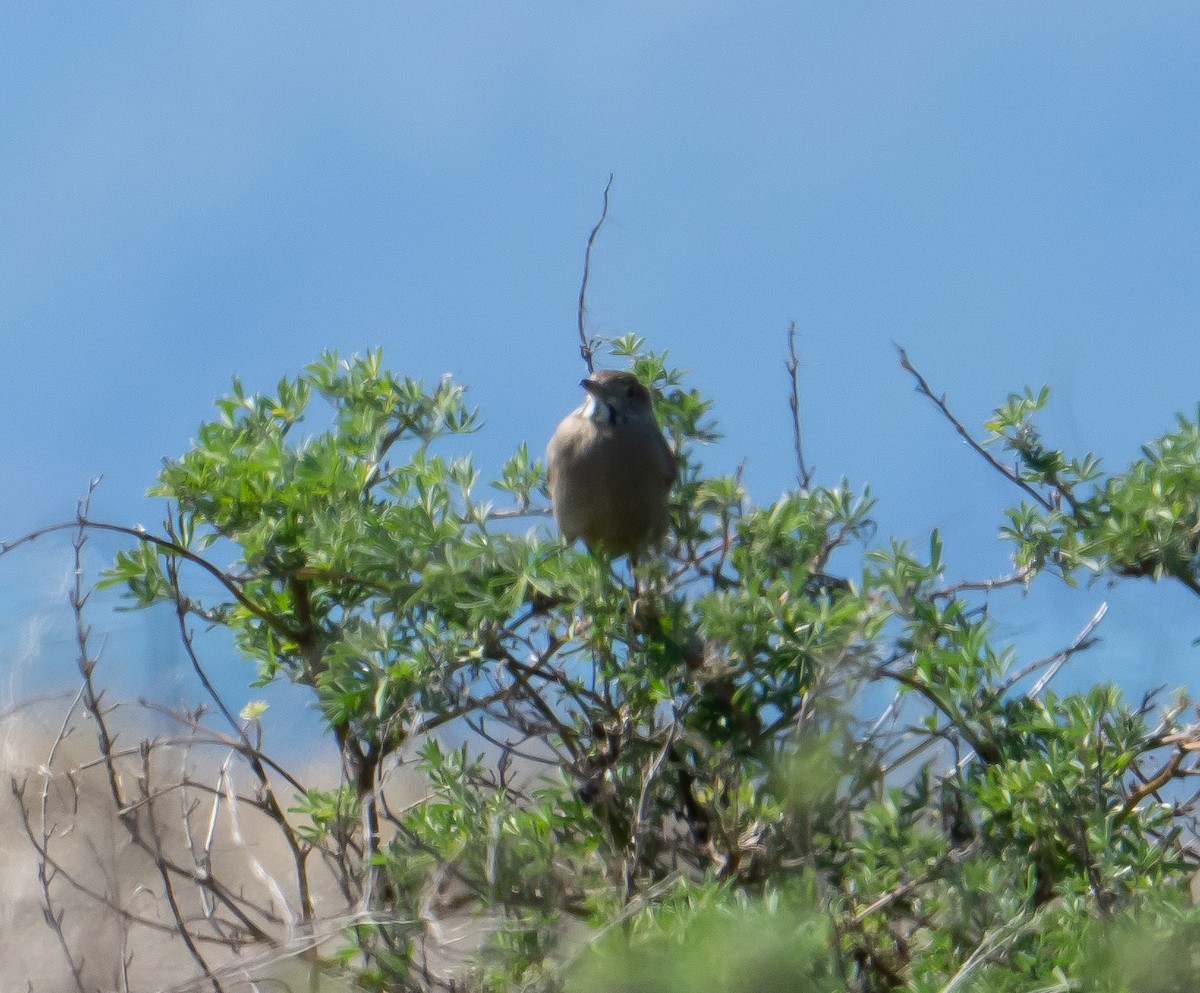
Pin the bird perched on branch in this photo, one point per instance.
(610, 468)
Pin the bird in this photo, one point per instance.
(610, 469)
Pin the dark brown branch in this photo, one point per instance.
(1169, 770)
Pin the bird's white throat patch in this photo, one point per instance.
(596, 410)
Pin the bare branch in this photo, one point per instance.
(804, 472)
(1082, 642)
(87, 663)
(216, 738)
(1007, 472)
(46, 868)
(181, 926)
(1019, 577)
(84, 523)
(586, 348)
(637, 830)
(59, 871)
(252, 754)
(901, 890)
(993, 942)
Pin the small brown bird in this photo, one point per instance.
(610, 468)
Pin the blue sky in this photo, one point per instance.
(1011, 190)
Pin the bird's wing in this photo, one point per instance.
(669, 462)
(559, 448)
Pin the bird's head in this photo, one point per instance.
(616, 396)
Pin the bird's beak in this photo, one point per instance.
(593, 387)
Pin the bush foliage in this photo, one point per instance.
(681, 779)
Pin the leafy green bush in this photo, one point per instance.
(676, 781)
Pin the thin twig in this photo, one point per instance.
(804, 472)
(649, 775)
(270, 884)
(586, 348)
(205, 863)
(216, 739)
(952, 857)
(1082, 642)
(181, 928)
(1020, 577)
(46, 868)
(630, 910)
(1007, 472)
(87, 664)
(992, 942)
(83, 522)
(248, 751)
(60, 871)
